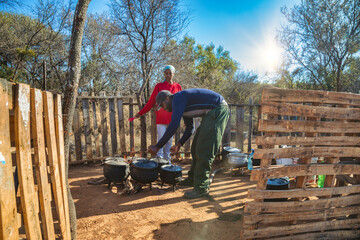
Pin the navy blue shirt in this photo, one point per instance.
(188, 104)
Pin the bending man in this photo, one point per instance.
(214, 111)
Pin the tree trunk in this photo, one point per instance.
(70, 94)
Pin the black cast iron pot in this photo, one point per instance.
(116, 170)
(277, 184)
(170, 174)
(160, 161)
(144, 171)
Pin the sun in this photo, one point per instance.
(269, 55)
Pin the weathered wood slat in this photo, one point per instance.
(340, 234)
(121, 126)
(59, 132)
(309, 96)
(38, 135)
(53, 160)
(77, 132)
(296, 206)
(104, 127)
(240, 118)
(309, 141)
(304, 170)
(29, 200)
(321, 214)
(114, 147)
(308, 152)
(250, 125)
(131, 114)
(87, 128)
(298, 193)
(301, 228)
(8, 213)
(309, 126)
(311, 111)
(153, 127)
(97, 127)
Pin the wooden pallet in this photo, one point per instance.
(34, 118)
(315, 124)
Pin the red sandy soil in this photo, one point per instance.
(158, 213)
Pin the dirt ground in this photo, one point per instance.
(158, 213)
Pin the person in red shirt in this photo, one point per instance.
(163, 118)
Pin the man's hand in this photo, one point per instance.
(175, 149)
(153, 149)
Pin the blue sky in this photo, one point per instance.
(246, 28)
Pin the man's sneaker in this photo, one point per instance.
(187, 182)
(196, 194)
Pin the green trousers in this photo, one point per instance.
(206, 144)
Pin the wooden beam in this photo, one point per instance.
(9, 229)
(311, 111)
(309, 126)
(296, 206)
(309, 141)
(29, 200)
(303, 170)
(309, 96)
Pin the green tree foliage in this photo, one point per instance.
(322, 40)
(26, 43)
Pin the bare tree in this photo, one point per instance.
(71, 90)
(323, 37)
(149, 25)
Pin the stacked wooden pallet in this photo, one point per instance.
(31, 129)
(313, 124)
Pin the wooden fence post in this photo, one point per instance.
(77, 133)
(112, 126)
(227, 135)
(250, 124)
(104, 126)
(121, 125)
(131, 114)
(87, 126)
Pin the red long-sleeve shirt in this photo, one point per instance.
(162, 116)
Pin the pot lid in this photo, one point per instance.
(171, 168)
(231, 149)
(119, 159)
(160, 160)
(116, 163)
(144, 163)
(238, 154)
(278, 181)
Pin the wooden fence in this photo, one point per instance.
(32, 161)
(101, 128)
(319, 126)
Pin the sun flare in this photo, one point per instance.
(269, 55)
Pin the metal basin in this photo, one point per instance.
(237, 159)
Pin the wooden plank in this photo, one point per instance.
(304, 170)
(309, 126)
(263, 219)
(308, 152)
(153, 130)
(59, 131)
(296, 206)
(311, 111)
(29, 199)
(302, 228)
(341, 234)
(309, 141)
(104, 127)
(114, 147)
(36, 103)
(250, 125)
(298, 193)
(8, 213)
(121, 126)
(97, 127)
(240, 118)
(309, 96)
(226, 140)
(131, 114)
(77, 132)
(53, 160)
(87, 128)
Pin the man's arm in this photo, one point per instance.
(189, 128)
